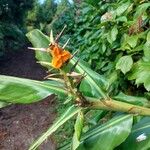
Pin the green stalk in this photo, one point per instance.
(113, 105)
(68, 84)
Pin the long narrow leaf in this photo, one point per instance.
(39, 40)
(20, 90)
(107, 136)
(66, 116)
(77, 131)
(93, 84)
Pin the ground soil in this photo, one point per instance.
(20, 125)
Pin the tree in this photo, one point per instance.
(41, 14)
(14, 11)
(12, 18)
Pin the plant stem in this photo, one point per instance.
(68, 84)
(114, 105)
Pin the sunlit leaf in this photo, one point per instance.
(51, 37)
(122, 19)
(132, 40)
(39, 40)
(20, 90)
(142, 101)
(109, 135)
(122, 8)
(125, 64)
(140, 9)
(114, 33)
(146, 48)
(141, 73)
(69, 113)
(77, 131)
(106, 136)
(109, 39)
(3, 104)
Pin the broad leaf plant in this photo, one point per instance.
(114, 121)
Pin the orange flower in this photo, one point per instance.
(59, 56)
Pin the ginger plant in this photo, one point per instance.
(71, 79)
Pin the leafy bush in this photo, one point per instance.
(113, 36)
(96, 127)
(41, 15)
(51, 15)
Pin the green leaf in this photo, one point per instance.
(51, 37)
(125, 64)
(129, 42)
(139, 139)
(148, 37)
(142, 101)
(20, 90)
(124, 44)
(114, 33)
(65, 117)
(106, 136)
(132, 40)
(91, 2)
(109, 135)
(39, 40)
(93, 116)
(109, 39)
(93, 84)
(146, 47)
(122, 19)
(122, 8)
(104, 48)
(78, 130)
(141, 73)
(141, 9)
(112, 77)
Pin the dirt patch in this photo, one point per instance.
(22, 64)
(20, 125)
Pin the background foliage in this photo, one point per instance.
(12, 18)
(114, 38)
(50, 15)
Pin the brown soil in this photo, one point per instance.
(22, 64)
(20, 125)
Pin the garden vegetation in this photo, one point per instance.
(101, 75)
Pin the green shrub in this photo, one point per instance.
(97, 126)
(113, 36)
